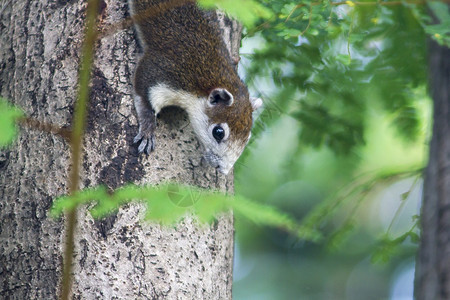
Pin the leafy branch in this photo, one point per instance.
(388, 247)
(9, 115)
(169, 203)
(354, 193)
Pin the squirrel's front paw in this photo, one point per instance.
(145, 139)
(146, 143)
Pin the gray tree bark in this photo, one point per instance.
(433, 263)
(119, 257)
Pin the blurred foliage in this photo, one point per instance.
(8, 117)
(438, 24)
(340, 196)
(331, 64)
(325, 59)
(346, 117)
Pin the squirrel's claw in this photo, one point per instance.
(137, 138)
(146, 142)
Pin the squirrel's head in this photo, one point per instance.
(224, 126)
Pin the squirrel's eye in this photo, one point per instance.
(218, 133)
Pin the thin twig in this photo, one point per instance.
(349, 33)
(309, 21)
(329, 16)
(79, 118)
(291, 12)
(402, 204)
(79, 124)
(45, 127)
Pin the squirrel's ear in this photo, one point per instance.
(220, 96)
(256, 102)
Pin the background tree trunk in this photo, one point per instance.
(433, 265)
(119, 257)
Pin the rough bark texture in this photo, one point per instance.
(433, 265)
(119, 257)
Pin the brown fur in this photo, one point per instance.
(188, 53)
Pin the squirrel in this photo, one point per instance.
(186, 63)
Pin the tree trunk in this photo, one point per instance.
(119, 257)
(433, 265)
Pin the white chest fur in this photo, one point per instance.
(162, 95)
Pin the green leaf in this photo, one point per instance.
(385, 251)
(246, 11)
(269, 216)
(344, 59)
(210, 205)
(435, 21)
(66, 203)
(407, 122)
(414, 237)
(340, 235)
(61, 204)
(163, 211)
(8, 118)
(106, 203)
(388, 248)
(440, 10)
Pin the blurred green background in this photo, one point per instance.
(340, 146)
